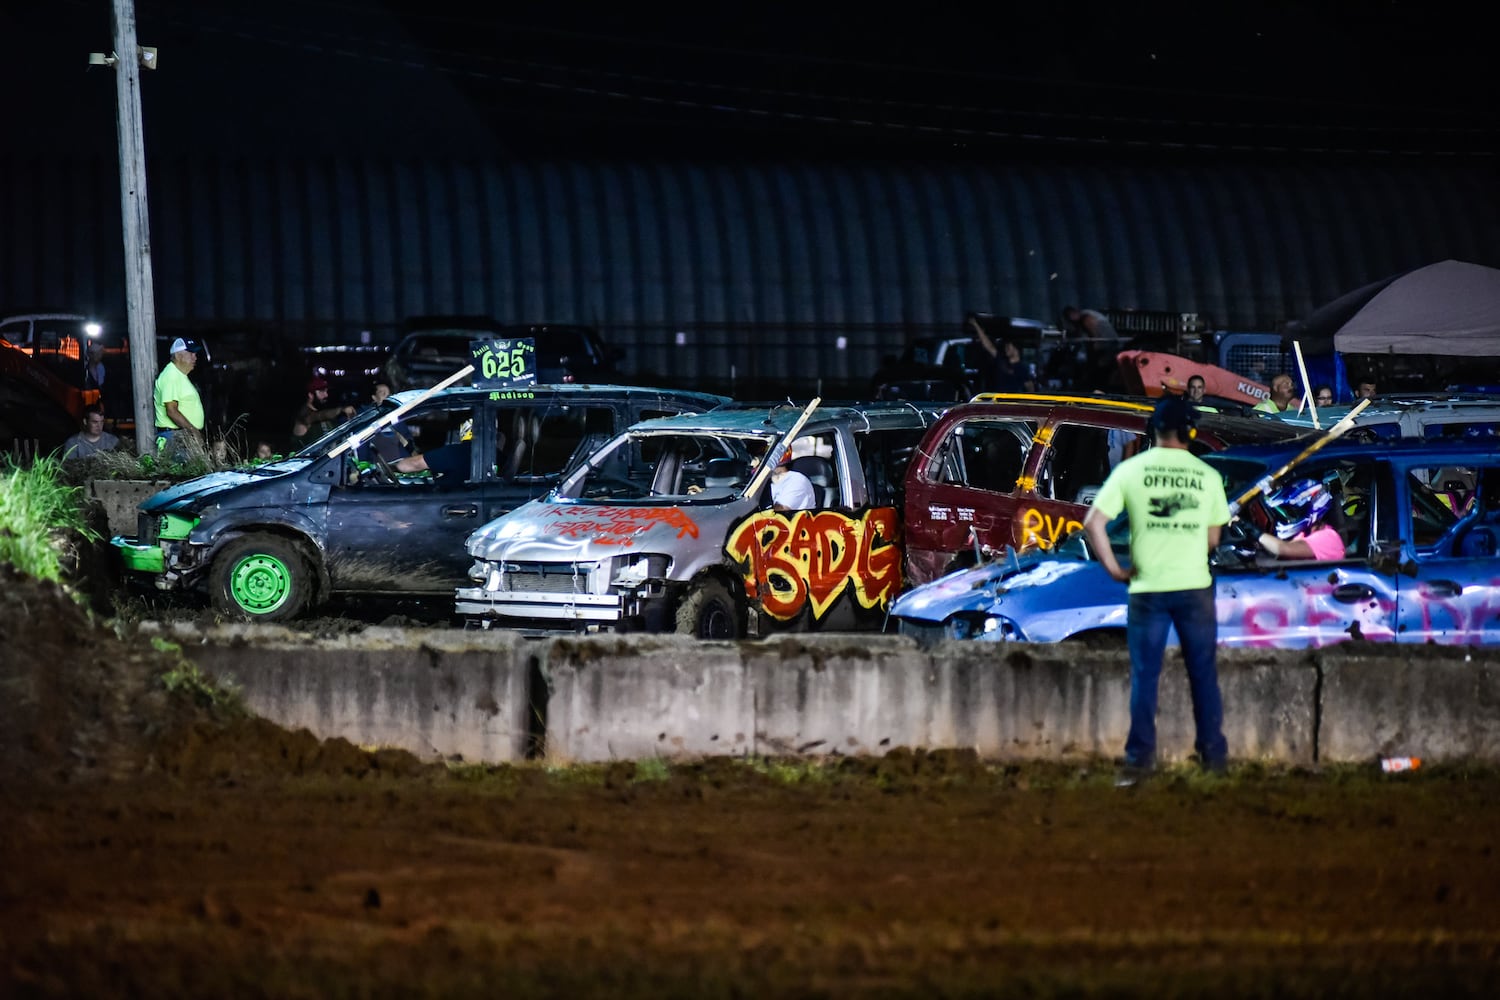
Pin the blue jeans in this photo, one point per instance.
(1151, 616)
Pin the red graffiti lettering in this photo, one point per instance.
(619, 527)
(789, 560)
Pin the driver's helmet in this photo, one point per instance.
(1298, 505)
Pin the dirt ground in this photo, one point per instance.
(156, 844)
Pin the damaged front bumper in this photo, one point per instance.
(567, 596)
(160, 550)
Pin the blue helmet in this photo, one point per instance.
(1298, 505)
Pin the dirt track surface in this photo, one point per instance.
(156, 846)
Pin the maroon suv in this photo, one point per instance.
(1021, 470)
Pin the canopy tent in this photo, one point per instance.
(1449, 308)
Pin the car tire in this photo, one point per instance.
(262, 578)
(709, 611)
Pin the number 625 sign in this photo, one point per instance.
(504, 364)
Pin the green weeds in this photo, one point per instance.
(184, 680)
(40, 518)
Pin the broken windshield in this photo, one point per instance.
(676, 467)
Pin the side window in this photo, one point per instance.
(534, 442)
(1440, 497)
(985, 455)
(1352, 486)
(884, 456)
(444, 440)
(816, 457)
(1079, 459)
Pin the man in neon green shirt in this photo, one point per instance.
(1283, 395)
(179, 410)
(1177, 507)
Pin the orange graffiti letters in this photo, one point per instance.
(789, 560)
(1044, 530)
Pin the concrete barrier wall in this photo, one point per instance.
(632, 697)
(1429, 702)
(447, 695)
(492, 696)
(121, 499)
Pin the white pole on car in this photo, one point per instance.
(1266, 482)
(773, 454)
(1307, 389)
(355, 440)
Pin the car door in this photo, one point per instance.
(537, 440)
(1076, 456)
(968, 490)
(408, 536)
(1286, 604)
(1452, 519)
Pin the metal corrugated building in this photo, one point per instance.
(696, 267)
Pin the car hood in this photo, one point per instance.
(552, 530)
(216, 486)
(1029, 579)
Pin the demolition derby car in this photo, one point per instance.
(383, 503)
(1420, 520)
(1020, 470)
(670, 527)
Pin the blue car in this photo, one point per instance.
(1420, 521)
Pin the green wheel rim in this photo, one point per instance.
(260, 583)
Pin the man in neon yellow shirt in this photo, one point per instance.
(1177, 507)
(179, 410)
(1283, 395)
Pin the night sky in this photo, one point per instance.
(1053, 81)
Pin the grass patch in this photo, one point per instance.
(40, 517)
(184, 680)
(196, 457)
(651, 769)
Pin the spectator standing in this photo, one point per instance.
(1195, 389)
(317, 416)
(1364, 389)
(1005, 372)
(93, 367)
(1177, 509)
(1095, 344)
(92, 439)
(178, 407)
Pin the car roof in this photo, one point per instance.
(1391, 409)
(566, 392)
(42, 315)
(1049, 400)
(1394, 448)
(1241, 426)
(777, 420)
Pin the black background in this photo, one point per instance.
(1044, 81)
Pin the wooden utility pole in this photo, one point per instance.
(140, 293)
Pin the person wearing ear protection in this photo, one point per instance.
(1177, 509)
(1301, 533)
